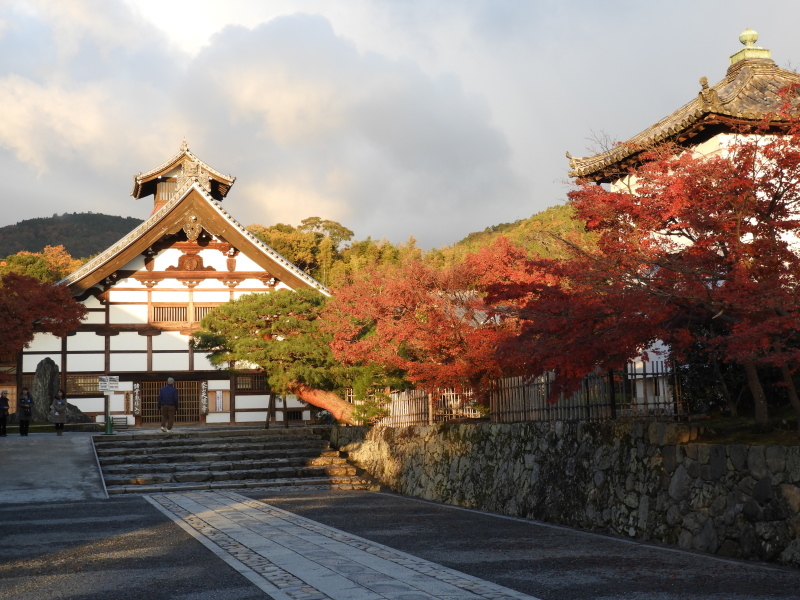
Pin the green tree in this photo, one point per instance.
(279, 332)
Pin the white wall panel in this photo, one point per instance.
(249, 417)
(129, 362)
(92, 302)
(214, 258)
(95, 318)
(128, 314)
(86, 340)
(201, 363)
(245, 263)
(220, 417)
(31, 361)
(166, 258)
(211, 284)
(171, 362)
(170, 340)
(218, 384)
(127, 296)
(89, 404)
(77, 363)
(135, 264)
(45, 342)
(252, 402)
(128, 340)
(180, 297)
(202, 297)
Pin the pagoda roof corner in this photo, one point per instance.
(749, 93)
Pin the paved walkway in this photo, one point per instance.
(293, 558)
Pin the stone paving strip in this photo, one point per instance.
(293, 558)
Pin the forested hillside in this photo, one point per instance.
(81, 234)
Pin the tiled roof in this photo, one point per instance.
(156, 219)
(183, 155)
(749, 93)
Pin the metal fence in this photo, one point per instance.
(643, 389)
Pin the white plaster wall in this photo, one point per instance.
(92, 302)
(31, 361)
(128, 340)
(180, 297)
(135, 264)
(245, 263)
(171, 362)
(211, 296)
(128, 283)
(218, 384)
(218, 417)
(252, 402)
(249, 417)
(125, 386)
(214, 258)
(77, 363)
(166, 258)
(86, 340)
(127, 296)
(129, 362)
(95, 318)
(45, 342)
(136, 313)
(211, 284)
(201, 363)
(89, 404)
(170, 340)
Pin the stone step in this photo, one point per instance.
(312, 445)
(340, 483)
(218, 464)
(188, 437)
(170, 439)
(194, 476)
(233, 454)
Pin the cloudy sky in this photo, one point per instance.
(431, 118)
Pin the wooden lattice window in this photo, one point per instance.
(201, 311)
(255, 382)
(169, 313)
(82, 384)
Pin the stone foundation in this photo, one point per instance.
(644, 481)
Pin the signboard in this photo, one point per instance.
(108, 383)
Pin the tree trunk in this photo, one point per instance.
(759, 397)
(732, 408)
(342, 410)
(793, 398)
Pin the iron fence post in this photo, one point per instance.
(612, 394)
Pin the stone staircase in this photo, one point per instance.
(143, 463)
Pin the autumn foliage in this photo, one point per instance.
(28, 306)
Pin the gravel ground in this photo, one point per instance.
(115, 549)
(548, 562)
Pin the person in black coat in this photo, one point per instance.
(24, 411)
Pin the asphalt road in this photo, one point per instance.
(124, 548)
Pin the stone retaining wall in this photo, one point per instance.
(644, 481)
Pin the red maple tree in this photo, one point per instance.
(692, 244)
(425, 322)
(28, 306)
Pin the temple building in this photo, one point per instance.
(750, 96)
(147, 293)
(749, 93)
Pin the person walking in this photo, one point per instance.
(3, 412)
(168, 403)
(24, 410)
(58, 411)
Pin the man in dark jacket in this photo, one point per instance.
(168, 403)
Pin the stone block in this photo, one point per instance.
(718, 461)
(703, 453)
(690, 450)
(791, 493)
(791, 554)
(730, 549)
(757, 462)
(680, 484)
(776, 459)
(763, 492)
(706, 540)
(693, 468)
(670, 459)
(737, 454)
(793, 464)
(674, 515)
(685, 539)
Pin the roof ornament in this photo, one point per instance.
(750, 51)
(184, 145)
(709, 99)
